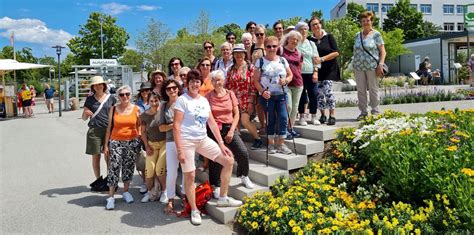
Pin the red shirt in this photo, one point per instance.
(221, 107)
(242, 86)
(295, 61)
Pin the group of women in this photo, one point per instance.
(200, 110)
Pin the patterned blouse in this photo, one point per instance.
(243, 87)
(362, 61)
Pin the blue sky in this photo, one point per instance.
(39, 24)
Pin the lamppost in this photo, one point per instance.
(101, 37)
(58, 52)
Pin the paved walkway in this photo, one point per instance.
(44, 175)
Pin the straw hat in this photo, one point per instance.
(144, 86)
(238, 48)
(288, 29)
(97, 80)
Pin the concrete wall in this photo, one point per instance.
(406, 63)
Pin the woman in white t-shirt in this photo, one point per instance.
(271, 79)
(192, 113)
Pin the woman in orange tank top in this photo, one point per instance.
(122, 144)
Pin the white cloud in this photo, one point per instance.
(147, 8)
(114, 8)
(33, 31)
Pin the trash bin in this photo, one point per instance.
(74, 103)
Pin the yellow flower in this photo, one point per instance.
(408, 226)
(309, 226)
(334, 228)
(292, 223)
(406, 132)
(326, 230)
(468, 172)
(455, 140)
(266, 218)
(254, 225)
(254, 214)
(310, 208)
(331, 198)
(299, 203)
(438, 197)
(417, 231)
(452, 148)
(375, 218)
(320, 220)
(296, 229)
(369, 232)
(274, 224)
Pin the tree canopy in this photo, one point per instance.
(405, 17)
(87, 45)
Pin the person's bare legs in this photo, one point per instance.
(189, 189)
(226, 172)
(245, 120)
(96, 165)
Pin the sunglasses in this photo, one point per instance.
(278, 28)
(271, 46)
(124, 94)
(174, 88)
(231, 38)
(259, 34)
(182, 75)
(208, 47)
(206, 65)
(175, 64)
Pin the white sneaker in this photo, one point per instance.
(272, 149)
(163, 197)
(127, 197)
(110, 203)
(247, 183)
(302, 121)
(143, 189)
(216, 193)
(314, 120)
(228, 202)
(146, 197)
(196, 217)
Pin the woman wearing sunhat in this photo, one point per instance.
(156, 80)
(96, 109)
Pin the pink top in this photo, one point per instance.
(295, 60)
(221, 107)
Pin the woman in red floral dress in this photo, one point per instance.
(239, 80)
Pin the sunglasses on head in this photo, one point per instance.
(271, 46)
(259, 34)
(124, 94)
(171, 88)
(208, 47)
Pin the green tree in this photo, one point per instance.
(150, 42)
(133, 58)
(430, 29)
(202, 25)
(87, 45)
(394, 44)
(405, 17)
(353, 11)
(234, 28)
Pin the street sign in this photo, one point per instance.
(469, 16)
(109, 62)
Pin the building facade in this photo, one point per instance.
(448, 14)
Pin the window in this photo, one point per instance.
(448, 26)
(448, 9)
(425, 8)
(373, 7)
(460, 9)
(414, 6)
(461, 26)
(386, 7)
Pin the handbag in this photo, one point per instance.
(385, 69)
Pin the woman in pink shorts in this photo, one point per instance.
(192, 114)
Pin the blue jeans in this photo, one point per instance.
(275, 108)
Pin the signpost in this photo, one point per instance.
(468, 23)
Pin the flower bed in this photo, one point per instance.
(394, 174)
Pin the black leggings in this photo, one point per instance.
(241, 155)
(309, 91)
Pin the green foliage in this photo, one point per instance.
(87, 45)
(133, 58)
(353, 11)
(234, 28)
(394, 44)
(405, 17)
(151, 41)
(430, 29)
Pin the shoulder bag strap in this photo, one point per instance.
(100, 106)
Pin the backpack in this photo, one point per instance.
(203, 195)
(260, 67)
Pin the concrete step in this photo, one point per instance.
(320, 132)
(283, 161)
(221, 214)
(304, 146)
(236, 189)
(264, 175)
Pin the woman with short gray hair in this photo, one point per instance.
(225, 62)
(122, 144)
